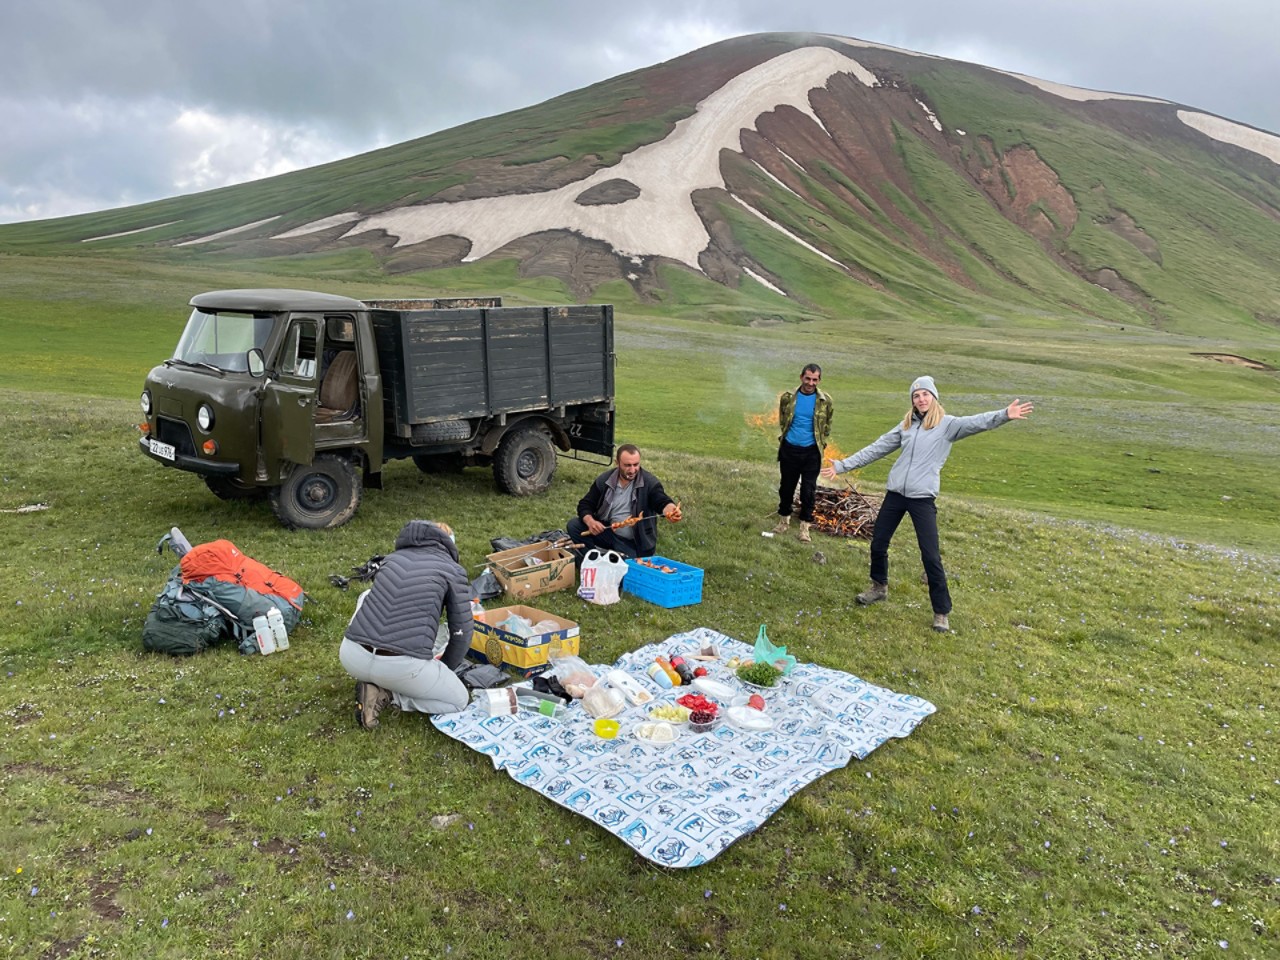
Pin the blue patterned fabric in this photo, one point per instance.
(680, 805)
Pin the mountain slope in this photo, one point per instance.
(807, 174)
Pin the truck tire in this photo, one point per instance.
(439, 462)
(229, 488)
(525, 462)
(316, 497)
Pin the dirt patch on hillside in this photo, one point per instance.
(1124, 227)
(1111, 279)
(580, 262)
(1236, 361)
(1026, 189)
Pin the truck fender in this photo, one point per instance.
(497, 431)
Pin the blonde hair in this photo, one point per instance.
(931, 419)
(448, 530)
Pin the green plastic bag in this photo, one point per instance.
(766, 652)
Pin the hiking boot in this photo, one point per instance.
(873, 594)
(784, 524)
(804, 532)
(370, 699)
(941, 623)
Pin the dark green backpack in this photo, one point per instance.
(182, 621)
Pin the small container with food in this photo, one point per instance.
(671, 713)
(702, 721)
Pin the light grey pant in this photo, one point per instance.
(427, 686)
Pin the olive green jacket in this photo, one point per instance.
(823, 411)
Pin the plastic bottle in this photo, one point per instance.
(682, 668)
(279, 632)
(262, 635)
(658, 675)
(669, 670)
(547, 708)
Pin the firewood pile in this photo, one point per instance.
(843, 512)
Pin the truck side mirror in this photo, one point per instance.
(256, 363)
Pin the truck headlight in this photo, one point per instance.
(145, 402)
(204, 417)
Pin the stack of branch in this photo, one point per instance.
(843, 513)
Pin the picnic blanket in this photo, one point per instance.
(681, 804)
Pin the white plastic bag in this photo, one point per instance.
(601, 577)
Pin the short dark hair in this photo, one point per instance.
(812, 368)
(626, 448)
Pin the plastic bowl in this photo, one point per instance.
(701, 727)
(606, 729)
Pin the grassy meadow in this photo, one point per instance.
(1099, 780)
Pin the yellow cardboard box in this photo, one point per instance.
(526, 655)
(533, 569)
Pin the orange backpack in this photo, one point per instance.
(224, 561)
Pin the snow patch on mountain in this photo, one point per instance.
(661, 221)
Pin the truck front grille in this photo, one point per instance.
(176, 433)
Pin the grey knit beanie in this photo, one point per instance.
(923, 383)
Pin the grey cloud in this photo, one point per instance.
(326, 78)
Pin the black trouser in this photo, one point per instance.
(605, 540)
(798, 465)
(924, 517)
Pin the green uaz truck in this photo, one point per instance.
(304, 396)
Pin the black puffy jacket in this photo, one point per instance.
(414, 584)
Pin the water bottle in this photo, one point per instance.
(279, 633)
(262, 635)
(658, 675)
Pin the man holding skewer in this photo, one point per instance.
(621, 509)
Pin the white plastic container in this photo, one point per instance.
(262, 635)
(279, 632)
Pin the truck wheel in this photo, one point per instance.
(439, 462)
(524, 462)
(229, 488)
(325, 494)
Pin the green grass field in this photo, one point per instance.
(1100, 779)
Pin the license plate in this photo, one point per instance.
(164, 451)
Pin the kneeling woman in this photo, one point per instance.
(925, 437)
(389, 642)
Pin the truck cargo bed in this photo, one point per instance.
(461, 363)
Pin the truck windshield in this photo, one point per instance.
(222, 339)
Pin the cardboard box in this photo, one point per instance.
(533, 569)
(528, 656)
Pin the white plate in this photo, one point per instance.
(749, 718)
(649, 740)
(714, 689)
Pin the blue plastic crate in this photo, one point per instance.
(680, 589)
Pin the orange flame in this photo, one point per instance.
(762, 421)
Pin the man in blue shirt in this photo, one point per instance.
(805, 419)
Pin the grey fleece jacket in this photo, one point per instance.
(916, 473)
(421, 578)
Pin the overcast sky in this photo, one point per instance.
(105, 103)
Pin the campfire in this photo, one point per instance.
(843, 512)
